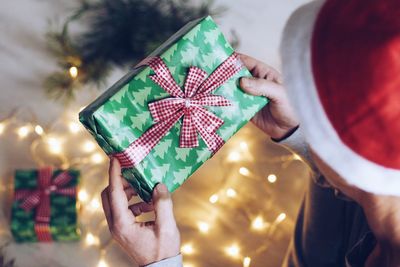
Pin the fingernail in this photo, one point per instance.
(161, 188)
(246, 82)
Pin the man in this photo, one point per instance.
(341, 61)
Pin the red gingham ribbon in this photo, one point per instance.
(40, 199)
(188, 104)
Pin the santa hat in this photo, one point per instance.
(341, 65)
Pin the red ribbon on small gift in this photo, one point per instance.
(188, 104)
(39, 198)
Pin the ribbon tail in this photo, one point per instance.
(188, 136)
(213, 141)
(62, 179)
(31, 201)
(42, 219)
(142, 146)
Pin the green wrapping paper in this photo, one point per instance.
(63, 218)
(121, 115)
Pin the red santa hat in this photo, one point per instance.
(341, 64)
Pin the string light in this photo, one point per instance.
(187, 249)
(83, 195)
(74, 127)
(214, 199)
(95, 204)
(230, 192)
(234, 156)
(187, 264)
(54, 145)
(243, 145)
(246, 261)
(89, 146)
(296, 157)
(23, 131)
(258, 223)
(281, 217)
(233, 251)
(39, 130)
(102, 263)
(73, 72)
(272, 178)
(91, 239)
(244, 171)
(203, 227)
(97, 158)
(2, 127)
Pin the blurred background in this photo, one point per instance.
(57, 56)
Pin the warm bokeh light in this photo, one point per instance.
(243, 145)
(230, 192)
(23, 131)
(73, 72)
(272, 178)
(54, 145)
(39, 130)
(89, 146)
(187, 249)
(102, 263)
(74, 127)
(234, 156)
(233, 251)
(97, 158)
(83, 195)
(244, 171)
(187, 264)
(91, 240)
(281, 217)
(214, 199)
(2, 127)
(246, 261)
(95, 204)
(258, 223)
(203, 227)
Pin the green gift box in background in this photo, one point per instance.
(45, 206)
(124, 117)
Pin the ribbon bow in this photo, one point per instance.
(39, 198)
(188, 104)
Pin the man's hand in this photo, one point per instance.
(144, 242)
(277, 118)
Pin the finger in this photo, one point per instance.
(125, 183)
(106, 206)
(130, 192)
(163, 207)
(116, 194)
(262, 87)
(261, 70)
(249, 62)
(139, 208)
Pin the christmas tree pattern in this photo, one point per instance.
(124, 116)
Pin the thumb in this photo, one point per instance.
(163, 207)
(261, 87)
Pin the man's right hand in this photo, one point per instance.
(276, 119)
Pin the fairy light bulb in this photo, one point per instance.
(230, 192)
(281, 217)
(95, 204)
(54, 145)
(233, 251)
(73, 72)
(244, 171)
(83, 195)
(74, 127)
(296, 157)
(272, 178)
(23, 131)
(214, 199)
(246, 261)
(39, 130)
(2, 127)
(97, 158)
(234, 156)
(89, 146)
(102, 263)
(187, 249)
(258, 223)
(203, 227)
(243, 145)
(91, 239)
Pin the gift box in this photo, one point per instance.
(45, 206)
(174, 110)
